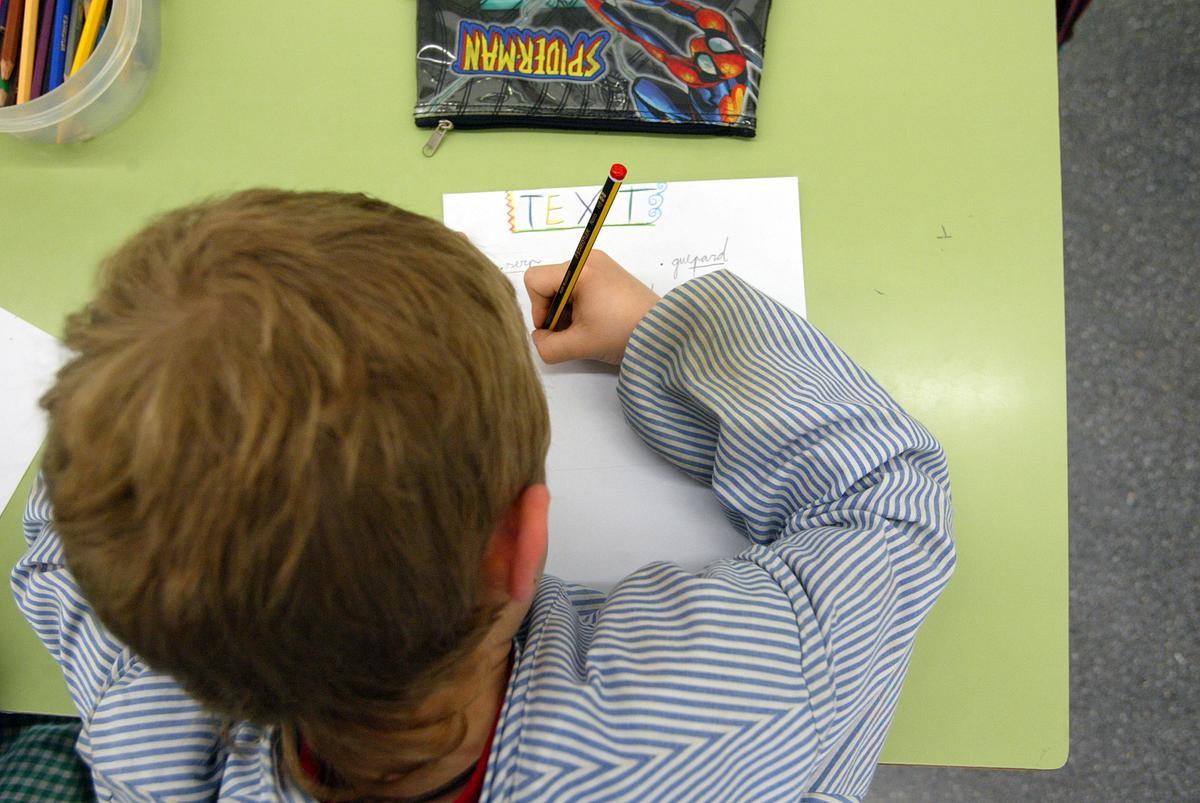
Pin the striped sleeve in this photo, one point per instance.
(814, 461)
(772, 675)
(51, 601)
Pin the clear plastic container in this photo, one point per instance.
(104, 91)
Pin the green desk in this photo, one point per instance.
(925, 136)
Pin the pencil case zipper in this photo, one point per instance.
(444, 124)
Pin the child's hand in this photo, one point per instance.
(605, 307)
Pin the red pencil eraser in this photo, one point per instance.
(618, 172)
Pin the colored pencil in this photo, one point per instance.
(104, 24)
(12, 37)
(74, 28)
(12, 86)
(591, 231)
(3, 92)
(42, 60)
(58, 44)
(3, 15)
(28, 50)
(87, 39)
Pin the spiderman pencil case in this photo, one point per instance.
(673, 66)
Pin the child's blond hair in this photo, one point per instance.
(292, 423)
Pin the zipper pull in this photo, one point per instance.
(444, 127)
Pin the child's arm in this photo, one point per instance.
(50, 599)
(748, 397)
(129, 712)
(845, 497)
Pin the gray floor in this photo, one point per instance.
(1130, 110)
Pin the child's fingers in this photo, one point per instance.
(538, 309)
(541, 283)
(560, 346)
(543, 280)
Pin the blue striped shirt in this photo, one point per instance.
(772, 675)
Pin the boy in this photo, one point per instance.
(290, 538)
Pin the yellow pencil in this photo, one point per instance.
(28, 49)
(87, 39)
(604, 202)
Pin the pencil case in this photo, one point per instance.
(669, 66)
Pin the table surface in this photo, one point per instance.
(925, 136)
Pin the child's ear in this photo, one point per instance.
(516, 552)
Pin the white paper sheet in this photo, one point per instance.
(615, 504)
(29, 358)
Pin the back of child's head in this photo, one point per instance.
(292, 423)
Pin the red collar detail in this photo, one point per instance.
(474, 787)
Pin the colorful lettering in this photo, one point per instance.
(553, 211)
(552, 207)
(526, 53)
